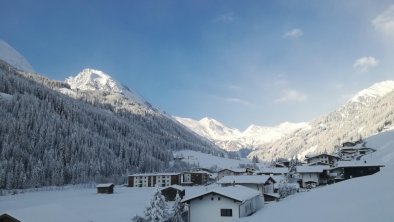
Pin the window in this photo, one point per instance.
(226, 212)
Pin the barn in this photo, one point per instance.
(107, 188)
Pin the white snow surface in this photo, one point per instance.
(376, 90)
(13, 57)
(363, 199)
(205, 160)
(96, 80)
(232, 139)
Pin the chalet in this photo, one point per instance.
(351, 144)
(273, 171)
(322, 158)
(151, 179)
(8, 218)
(235, 172)
(352, 153)
(194, 178)
(350, 169)
(170, 192)
(311, 176)
(105, 188)
(282, 162)
(261, 183)
(223, 204)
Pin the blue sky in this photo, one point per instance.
(240, 62)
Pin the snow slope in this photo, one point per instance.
(375, 91)
(232, 139)
(363, 199)
(207, 160)
(13, 57)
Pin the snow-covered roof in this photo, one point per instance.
(236, 192)
(175, 186)
(244, 179)
(311, 169)
(153, 174)
(276, 195)
(360, 163)
(356, 148)
(274, 170)
(198, 171)
(238, 170)
(104, 185)
(322, 154)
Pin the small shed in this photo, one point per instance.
(105, 188)
(8, 218)
(170, 192)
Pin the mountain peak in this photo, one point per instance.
(92, 79)
(13, 57)
(377, 90)
(96, 80)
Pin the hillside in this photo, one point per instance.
(48, 138)
(369, 112)
(360, 199)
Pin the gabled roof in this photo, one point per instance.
(7, 217)
(174, 186)
(311, 169)
(238, 170)
(360, 163)
(245, 179)
(236, 192)
(322, 154)
(274, 170)
(104, 185)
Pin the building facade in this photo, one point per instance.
(150, 180)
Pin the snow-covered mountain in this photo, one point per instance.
(369, 112)
(233, 139)
(13, 57)
(96, 80)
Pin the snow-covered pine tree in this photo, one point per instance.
(178, 210)
(157, 210)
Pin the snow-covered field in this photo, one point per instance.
(82, 204)
(207, 161)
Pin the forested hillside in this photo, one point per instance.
(48, 138)
(361, 117)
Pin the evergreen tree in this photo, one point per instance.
(157, 210)
(178, 210)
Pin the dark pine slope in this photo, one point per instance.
(48, 138)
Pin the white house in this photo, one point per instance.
(323, 158)
(223, 204)
(262, 183)
(312, 175)
(353, 153)
(234, 172)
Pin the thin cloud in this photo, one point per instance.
(234, 88)
(292, 96)
(384, 22)
(227, 17)
(293, 34)
(365, 63)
